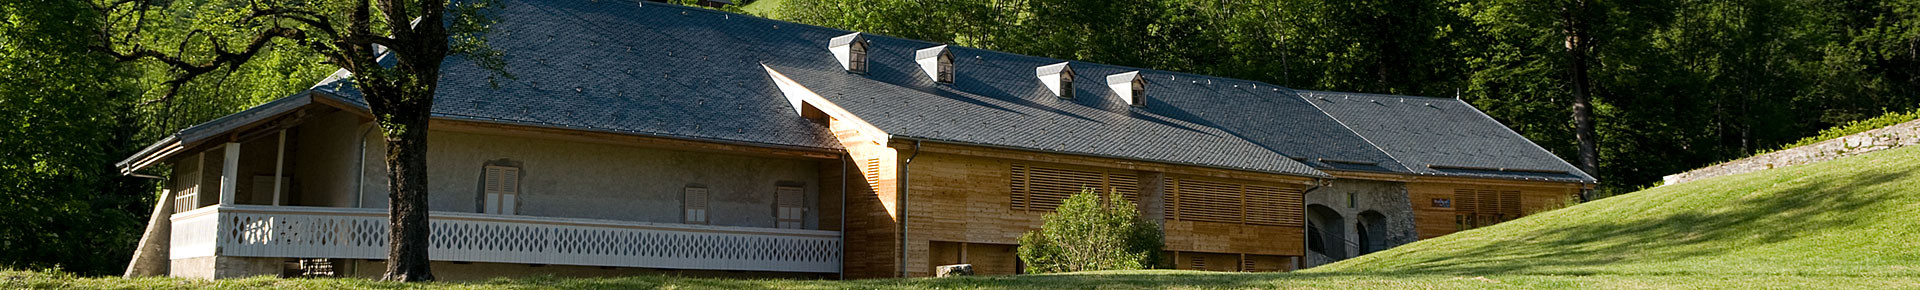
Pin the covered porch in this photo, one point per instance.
(299, 180)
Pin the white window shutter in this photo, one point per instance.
(502, 190)
(696, 205)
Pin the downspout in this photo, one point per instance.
(904, 183)
(360, 180)
(843, 217)
(1318, 183)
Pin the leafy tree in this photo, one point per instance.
(394, 50)
(62, 204)
(1091, 232)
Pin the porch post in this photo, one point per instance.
(230, 173)
(279, 163)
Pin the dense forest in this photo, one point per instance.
(1672, 85)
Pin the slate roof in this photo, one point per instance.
(664, 70)
(997, 100)
(634, 68)
(1192, 119)
(1443, 136)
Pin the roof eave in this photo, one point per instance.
(1313, 173)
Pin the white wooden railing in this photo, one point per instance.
(352, 233)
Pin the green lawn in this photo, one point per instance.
(1852, 223)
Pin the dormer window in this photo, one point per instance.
(1058, 78)
(851, 50)
(1130, 87)
(937, 62)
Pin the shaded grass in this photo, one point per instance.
(1852, 223)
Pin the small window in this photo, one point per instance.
(696, 205)
(946, 68)
(1353, 200)
(503, 190)
(790, 207)
(1066, 84)
(857, 57)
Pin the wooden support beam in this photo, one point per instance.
(279, 166)
(230, 173)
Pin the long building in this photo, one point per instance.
(638, 137)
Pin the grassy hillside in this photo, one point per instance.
(1852, 223)
(1853, 217)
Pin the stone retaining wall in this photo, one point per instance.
(1896, 136)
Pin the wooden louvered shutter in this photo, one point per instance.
(1045, 188)
(1048, 187)
(791, 209)
(1018, 196)
(1464, 208)
(1210, 201)
(1274, 206)
(696, 205)
(1510, 204)
(1125, 183)
(502, 190)
(873, 173)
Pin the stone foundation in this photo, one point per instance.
(208, 268)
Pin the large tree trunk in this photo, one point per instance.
(408, 229)
(1579, 53)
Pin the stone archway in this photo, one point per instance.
(1372, 230)
(1326, 232)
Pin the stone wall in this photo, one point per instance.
(1382, 207)
(1904, 134)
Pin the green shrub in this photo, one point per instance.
(1091, 232)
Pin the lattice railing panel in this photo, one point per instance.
(263, 231)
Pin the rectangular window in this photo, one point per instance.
(1353, 200)
(944, 68)
(791, 206)
(857, 57)
(503, 190)
(696, 205)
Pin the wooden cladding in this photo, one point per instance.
(1224, 202)
(1481, 207)
(1044, 188)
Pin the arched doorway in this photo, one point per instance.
(1326, 232)
(1371, 228)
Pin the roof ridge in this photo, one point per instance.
(1349, 128)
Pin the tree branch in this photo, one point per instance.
(221, 59)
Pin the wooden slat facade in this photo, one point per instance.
(1443, 206)
(962, 195)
